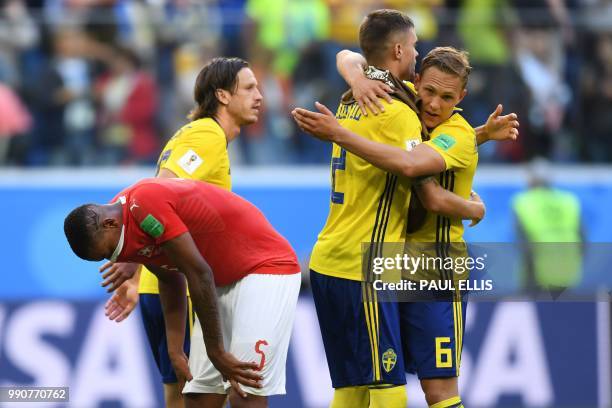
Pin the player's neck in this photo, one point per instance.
(390, 66)
(228, 124)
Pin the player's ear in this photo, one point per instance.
(110, 223)
(397, 50)
(462, 95)
(222, 96)
(417, 80)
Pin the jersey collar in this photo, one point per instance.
(119, 248)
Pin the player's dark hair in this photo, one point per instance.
(220, 73)
(449, 60)
(80, 227)
(377, 29)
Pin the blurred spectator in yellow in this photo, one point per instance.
(549, 227)
(284, 27)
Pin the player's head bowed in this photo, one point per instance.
(92, 231)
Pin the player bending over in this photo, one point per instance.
(188, 229)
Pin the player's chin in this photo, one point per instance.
(250, 119)
(431, 121)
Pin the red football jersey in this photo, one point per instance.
(233, 236)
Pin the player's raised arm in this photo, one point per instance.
(421, 161)
(184, 254)
(366, 92)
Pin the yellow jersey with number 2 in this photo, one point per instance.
(368, 205)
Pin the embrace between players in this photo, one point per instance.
(243, 277)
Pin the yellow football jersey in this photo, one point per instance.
(197, 151)
(368, 205)
(455, 140)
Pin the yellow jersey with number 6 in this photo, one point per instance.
(368, 205)
(197, 151)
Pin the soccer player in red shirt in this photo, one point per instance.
(214, 238)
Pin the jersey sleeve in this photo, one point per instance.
(196, 155)
(456, 143)
(153, 209)
(401, 129)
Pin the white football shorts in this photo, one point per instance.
(257, 314)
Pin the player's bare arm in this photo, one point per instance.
(367, 92)
(125, 298)
(421, 161)
(184, 254)
(173, 296)
(438, 200)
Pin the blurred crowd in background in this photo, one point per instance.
(105, 82)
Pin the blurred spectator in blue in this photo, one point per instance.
(233, 41)
(127, 96)
(64, 112)
(18, 32)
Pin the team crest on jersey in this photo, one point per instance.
(444, 141)
(148, 251)
(389, 358)
(411, 144)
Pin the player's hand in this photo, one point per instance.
(236, 371)
(322, 125)
(480, 209)
(123, 301)
(502, 127)
(115, 273)
(180, 363)
(367, 92)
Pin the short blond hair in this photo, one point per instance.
(449, 60)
